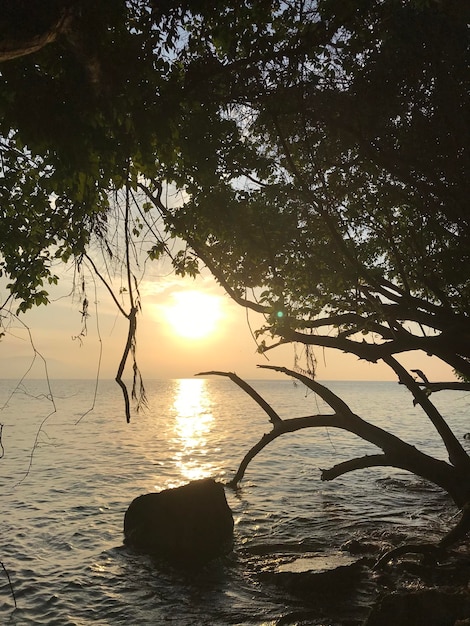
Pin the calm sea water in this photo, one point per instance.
(67, 477)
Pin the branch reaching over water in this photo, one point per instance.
(273, 416)
(334, 401)
(363, 462)
(280, 428)
(428, 386)
(396, 452)
(457, 454)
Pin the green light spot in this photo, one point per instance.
(280, 314)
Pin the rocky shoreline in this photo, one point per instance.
(346, 589)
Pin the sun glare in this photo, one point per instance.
(193, 314)
(193, 423)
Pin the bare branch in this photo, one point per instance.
(334, 401)
(106, 284)
(281, 428)
(422, 375)
(398, 453)
(453, 385)
(363, 462)
(411, 548)
(460, 529)
(446, 386)
(367, 351)
(273, 416)
(127, 349)
(250, 455)
(457, 454)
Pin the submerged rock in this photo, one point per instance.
(332, 573)
(189, 524)
(319, 565)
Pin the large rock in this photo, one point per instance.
(192, 523)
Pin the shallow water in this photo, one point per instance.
(66, 487)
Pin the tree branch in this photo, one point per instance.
(411, 548)
(460, 529)
(335, 402)
(106, 284)
(130, 345)
(273, 416)
(440, 386)
(444, 386)
(201, 252)
(127, 349)
(250, 455)
(26, 27)
(399, 453)
(363, 462)
(457, 454)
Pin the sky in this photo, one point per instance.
(186, 326)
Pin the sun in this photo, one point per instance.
(193, 314)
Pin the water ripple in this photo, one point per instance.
(62, 527)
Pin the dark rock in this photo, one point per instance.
(430, 607)
(324, 574)
(189, 524)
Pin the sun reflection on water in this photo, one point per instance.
(193, 422)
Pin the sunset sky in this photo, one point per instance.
(186, 326)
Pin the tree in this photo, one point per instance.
(322, 150)
(343, 217)
(86, 108)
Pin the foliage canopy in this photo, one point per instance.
(322, 149)
(337, 180)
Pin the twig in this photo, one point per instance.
(49, 396)
(9, 583)
(95, 393)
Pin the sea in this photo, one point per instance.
(71, 465)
